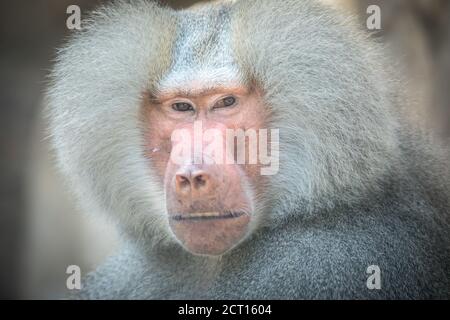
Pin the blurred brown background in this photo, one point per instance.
(41, 230)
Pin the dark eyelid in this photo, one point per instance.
(222, 102)
(190, 106)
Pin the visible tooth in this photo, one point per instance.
(204, 214)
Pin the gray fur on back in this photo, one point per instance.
(357, 186)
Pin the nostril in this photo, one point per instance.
(182, 181)
(200, 181)
(191, 180)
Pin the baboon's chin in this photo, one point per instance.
(209, 233)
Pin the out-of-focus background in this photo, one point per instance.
(41, 229)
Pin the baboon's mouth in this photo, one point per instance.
(215, 215)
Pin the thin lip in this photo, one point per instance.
(208, 216)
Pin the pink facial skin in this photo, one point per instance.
(209, 204)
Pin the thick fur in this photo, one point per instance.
(357, 184)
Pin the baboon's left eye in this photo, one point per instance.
(226, 102)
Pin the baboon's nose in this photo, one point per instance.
(194, 182)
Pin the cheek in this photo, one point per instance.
(254, 114)
(157, 140)
(253, 117)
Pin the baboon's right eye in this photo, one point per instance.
(182, 107)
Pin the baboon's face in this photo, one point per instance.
(191, 145)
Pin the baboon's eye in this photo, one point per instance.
(182, 107)
(226, 102)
